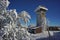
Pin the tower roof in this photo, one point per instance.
(41, 7)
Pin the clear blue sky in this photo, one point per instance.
(53, 13)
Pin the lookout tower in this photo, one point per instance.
(41, 16)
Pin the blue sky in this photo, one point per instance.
(53, 13)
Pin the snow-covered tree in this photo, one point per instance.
(10, 23)
(25, 17)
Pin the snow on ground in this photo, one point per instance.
(45, 36)
(54, 35)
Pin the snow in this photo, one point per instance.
(10, 30)
(44, 35)
(40, 35)
(41, 7)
